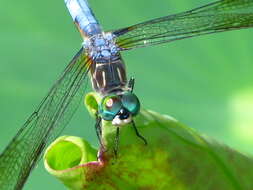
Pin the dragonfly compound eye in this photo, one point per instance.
(110, 107)
(131, 103)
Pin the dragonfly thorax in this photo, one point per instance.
(101, 46)
(108, 73)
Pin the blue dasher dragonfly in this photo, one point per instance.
(100, 58)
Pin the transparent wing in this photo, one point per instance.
(215, 17)
(54, 112)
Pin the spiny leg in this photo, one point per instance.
(116, 143)
(138, 134)
(131, 87)
(99, 130)
(131, 84)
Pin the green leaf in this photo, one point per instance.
(176, 157)
(65, 159)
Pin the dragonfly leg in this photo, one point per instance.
(131, 84)
(138, 134)
(116, 143)
(99, 130)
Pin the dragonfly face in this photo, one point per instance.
(120, 109)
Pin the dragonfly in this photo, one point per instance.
(100, 59)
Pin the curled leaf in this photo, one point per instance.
(66, 157)
(176, 157)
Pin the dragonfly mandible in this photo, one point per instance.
(100, 57)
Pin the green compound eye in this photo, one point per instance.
(131, 103)
(109, 107)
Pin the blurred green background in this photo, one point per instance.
(205, 82)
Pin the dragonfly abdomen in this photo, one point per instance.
(83, 17)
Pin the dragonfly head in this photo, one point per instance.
(120, 109)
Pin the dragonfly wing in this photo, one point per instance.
(215, 17)
(54, 112)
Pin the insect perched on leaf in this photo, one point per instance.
(100, 56)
